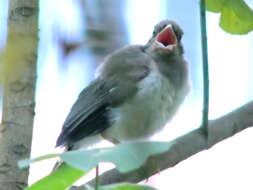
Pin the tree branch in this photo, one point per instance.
(185, 146)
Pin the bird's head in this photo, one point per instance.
(166, 38)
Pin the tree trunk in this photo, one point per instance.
(19, 70)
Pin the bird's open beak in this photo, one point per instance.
(166, 39)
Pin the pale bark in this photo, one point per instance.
(184, 147)
(19, 70)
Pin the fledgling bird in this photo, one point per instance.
(136, 91)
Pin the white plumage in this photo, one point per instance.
(144, 114)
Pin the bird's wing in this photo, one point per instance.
(90, 113)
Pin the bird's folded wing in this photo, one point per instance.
(117, 83)
(90, 113)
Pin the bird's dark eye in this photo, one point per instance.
(177, 33)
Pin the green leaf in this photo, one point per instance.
(60, 179)
(126, 186)
(126, 156)
(215, 5)
(26, 162)
(236, 15)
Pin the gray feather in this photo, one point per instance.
(112, 88)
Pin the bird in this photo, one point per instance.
(136, 91)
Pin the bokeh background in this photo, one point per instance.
(101, 26)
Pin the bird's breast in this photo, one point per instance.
(146, 113)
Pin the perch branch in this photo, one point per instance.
(185, 146)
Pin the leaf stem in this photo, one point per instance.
(204, 124)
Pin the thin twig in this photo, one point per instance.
(97, 178)
(205, 67)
